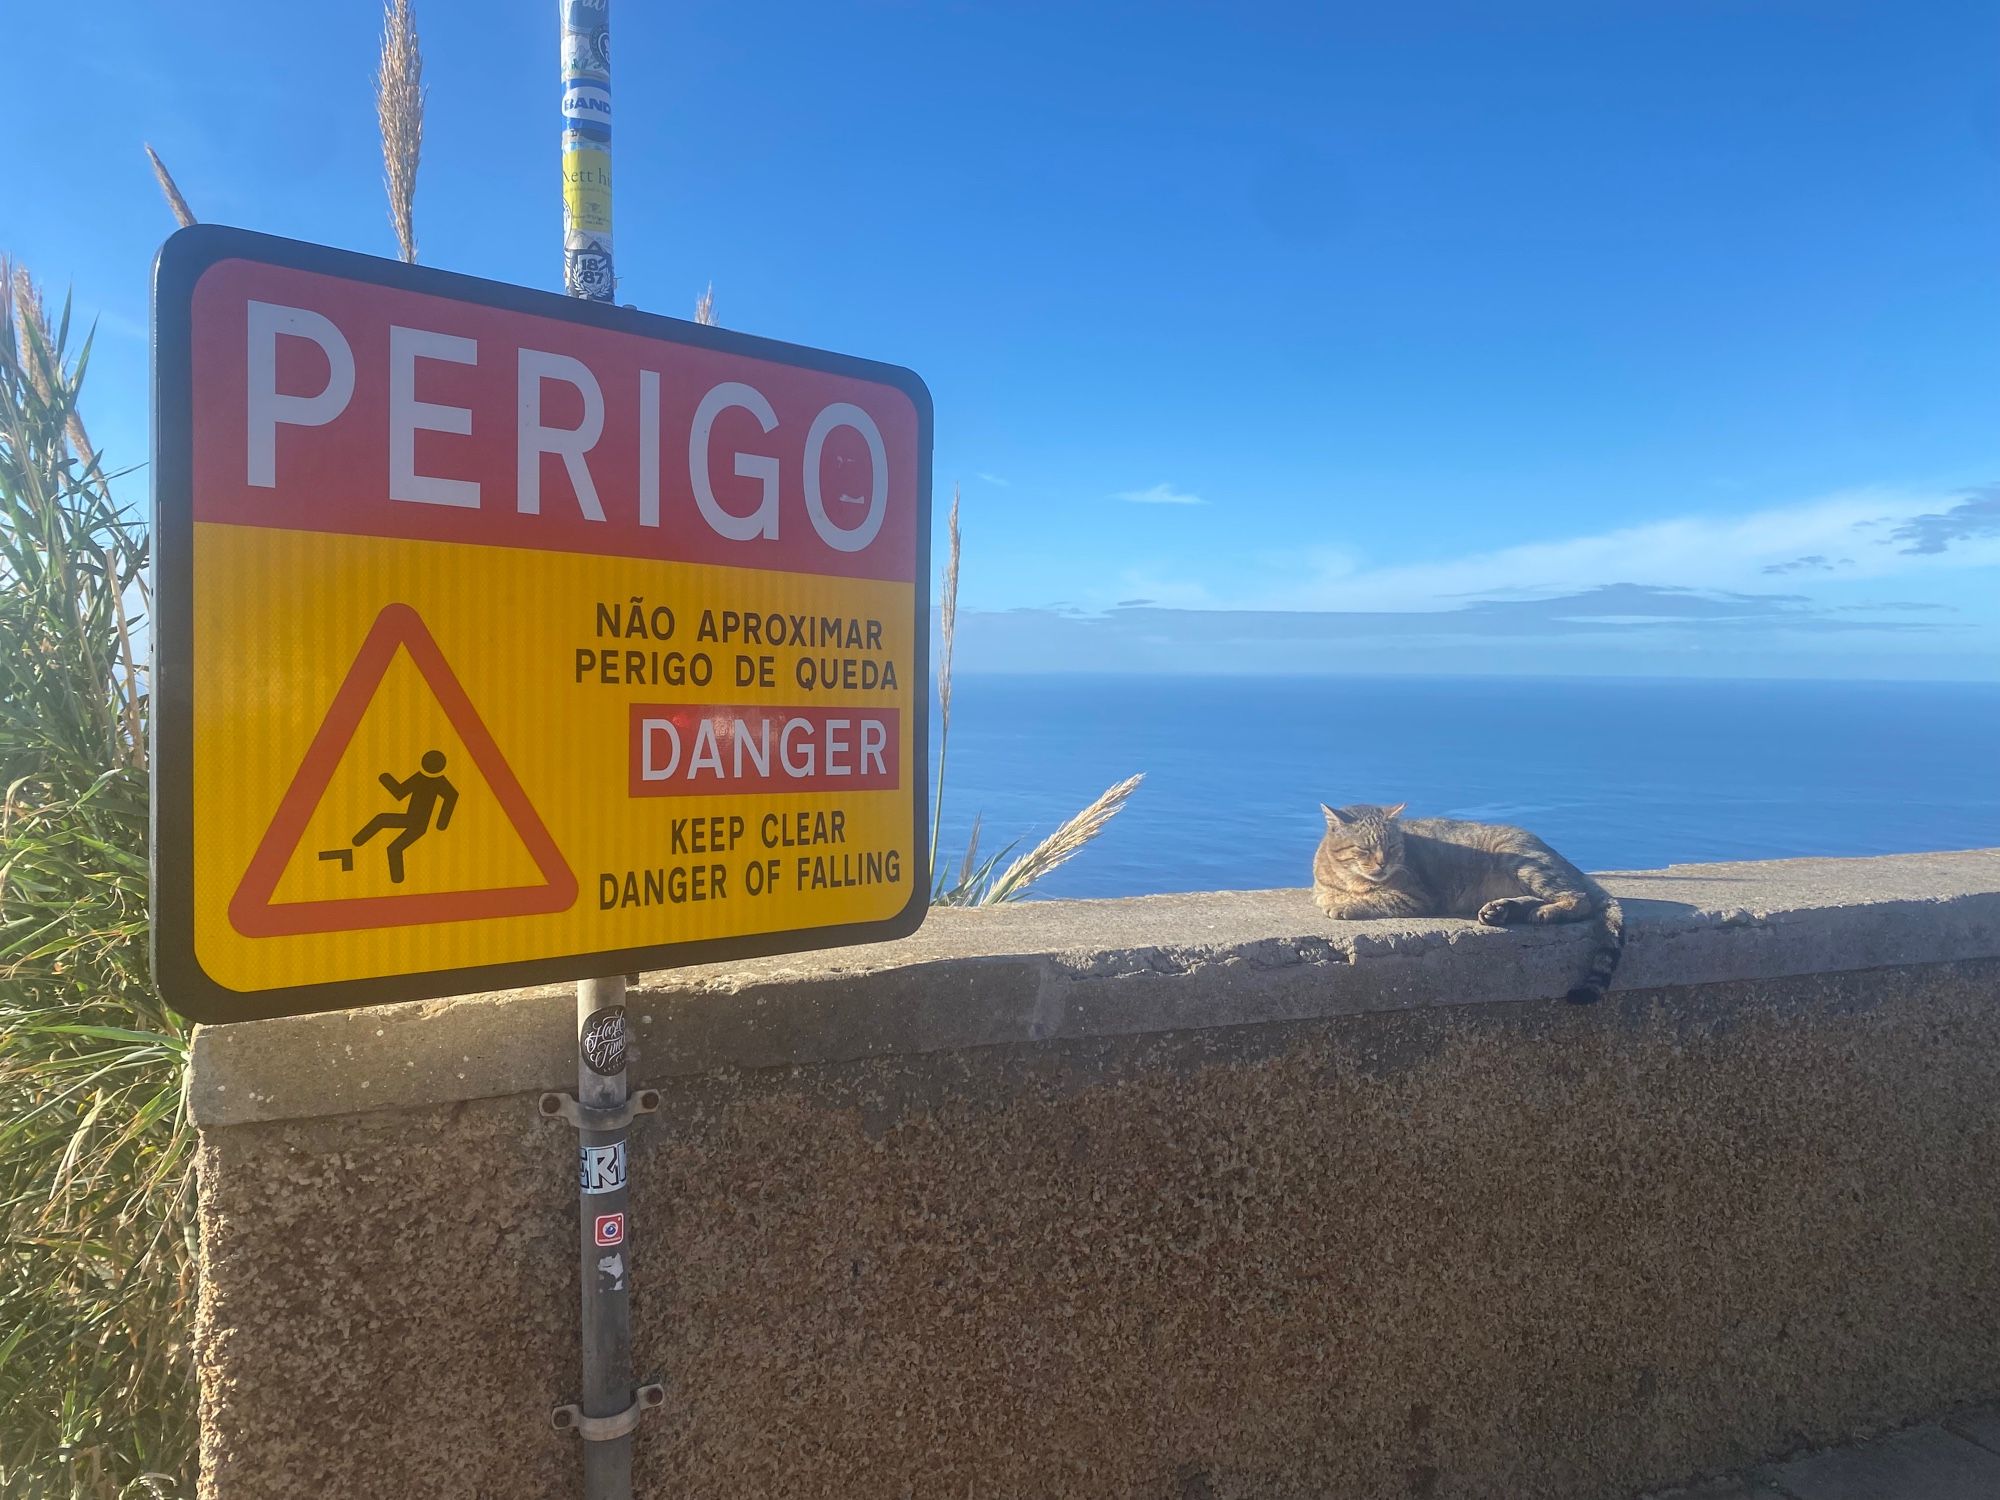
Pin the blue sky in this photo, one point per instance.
(1661, 336)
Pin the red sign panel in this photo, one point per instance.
(455, 421)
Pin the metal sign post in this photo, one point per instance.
(602, 1113)
(586, 149)
(608, 1410)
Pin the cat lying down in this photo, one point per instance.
(1374, 863)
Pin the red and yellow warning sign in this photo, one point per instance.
(506, 638)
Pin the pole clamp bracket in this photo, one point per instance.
(604, 1429)
(583, 1117)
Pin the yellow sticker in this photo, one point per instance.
(587, 190)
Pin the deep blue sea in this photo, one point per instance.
(1617, 774)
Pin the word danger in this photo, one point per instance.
(687, 749)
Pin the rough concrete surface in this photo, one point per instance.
(1510, 1248)
(1072, 969)
(1955, 1456)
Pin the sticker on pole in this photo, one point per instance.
(610, 1229)
(601, 1169)
(503, 637)
(601, 1045)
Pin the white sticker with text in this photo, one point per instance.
(601, 1169)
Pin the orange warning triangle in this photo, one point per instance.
(252, 911)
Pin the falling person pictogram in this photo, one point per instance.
(426, 791)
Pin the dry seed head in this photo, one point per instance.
(1066, 840)
(704, 307)
(28, 316)
(183, 215)
(24, 300)
(399, 113)
(948, 612)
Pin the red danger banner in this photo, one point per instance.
(701, 749)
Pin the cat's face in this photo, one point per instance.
(1366, 842)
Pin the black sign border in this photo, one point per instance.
(177, 972)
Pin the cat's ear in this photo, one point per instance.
(1334, 818)
(1390, 812)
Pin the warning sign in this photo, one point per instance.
(364, 879)
(505, 638)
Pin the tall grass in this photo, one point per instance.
(96, 1212)
(984, 879)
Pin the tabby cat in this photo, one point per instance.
(1372, 863)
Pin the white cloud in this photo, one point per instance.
(1159, 494)
(993, 479)
(1705, 552)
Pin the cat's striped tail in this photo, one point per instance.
(1609, 949)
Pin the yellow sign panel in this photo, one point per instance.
(507, 638)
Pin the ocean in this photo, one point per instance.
(1616, 774)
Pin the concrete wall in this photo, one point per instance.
(1179, 1197)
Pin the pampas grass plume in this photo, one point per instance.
(399, 112)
